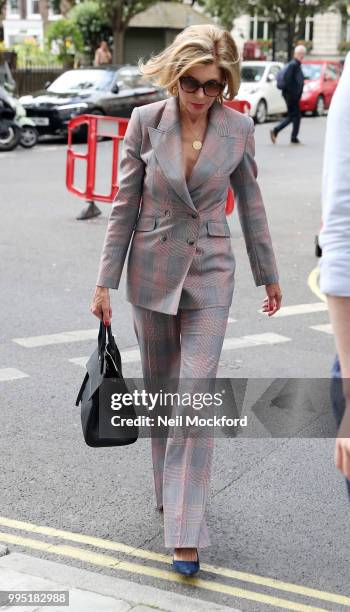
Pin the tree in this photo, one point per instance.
(67, 38)
(93, 25)
(291, 13)
(119, 13)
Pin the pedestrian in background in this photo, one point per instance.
(335, 261)
(291, 81)
(180, 157)
(102, 54)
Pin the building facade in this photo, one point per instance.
(325, 31)
(25, 19)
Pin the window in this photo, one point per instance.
(260, 33)
(12, 8)
(274, 70)
(33, 8)
(54, 9)
(306, 29)
(127, 78)
(311, 71)
(85, 79)
(259, 28)
(252, 74)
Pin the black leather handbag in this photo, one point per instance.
(104, 366)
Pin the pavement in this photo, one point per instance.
(88, 591)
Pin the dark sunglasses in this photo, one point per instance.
(211, 88)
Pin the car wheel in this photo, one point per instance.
(10, 136)
(261, 112)
(320, 107)
(29, 137)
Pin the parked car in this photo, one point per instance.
(103, 90)
(259, 87)
(321, 80)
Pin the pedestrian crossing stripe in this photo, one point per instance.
(11, 374)
(78, 335)
(326, 328)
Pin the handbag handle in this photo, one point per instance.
(102, 342)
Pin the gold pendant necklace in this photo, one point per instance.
(196, 143)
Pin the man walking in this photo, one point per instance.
(292, 89)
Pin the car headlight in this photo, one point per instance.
(70, 110)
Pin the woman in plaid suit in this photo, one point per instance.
(180, 155)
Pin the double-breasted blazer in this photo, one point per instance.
(180, 244)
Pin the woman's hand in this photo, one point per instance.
(342, 456)
(100, 305)
(272, 302)
(342, 443)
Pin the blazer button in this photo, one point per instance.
(194, 215)
(167, 213)
(163, 238)
(190, 241)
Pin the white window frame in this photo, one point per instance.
(255, 21)
(10, 15)
(30, 14)
(54, 16)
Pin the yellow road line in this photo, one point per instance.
(161, 558)
(313, 283)
(114, 563)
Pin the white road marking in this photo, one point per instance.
(253, 340)
(326, 328)
(60, 338)
(11, 374)
(132, 355)
(299, 309)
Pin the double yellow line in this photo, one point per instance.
(113, 562)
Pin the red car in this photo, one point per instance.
(321, 80)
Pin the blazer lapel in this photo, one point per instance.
(167, 146)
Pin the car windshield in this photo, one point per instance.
(76, 80)
(311, 71)
(252, 74)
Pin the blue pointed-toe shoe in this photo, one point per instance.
(187, 568)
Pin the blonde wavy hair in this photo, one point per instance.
(196, 44)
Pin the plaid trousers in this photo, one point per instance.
(176, 348)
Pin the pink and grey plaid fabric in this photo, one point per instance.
(180, 252)
(181, 464)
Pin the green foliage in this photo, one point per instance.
(30, 54)
(265, 44)
(225, 10)
(119, 13)
(92, 24)
(278, 11)
(284, 10)
(65, 34)
(344, 46)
